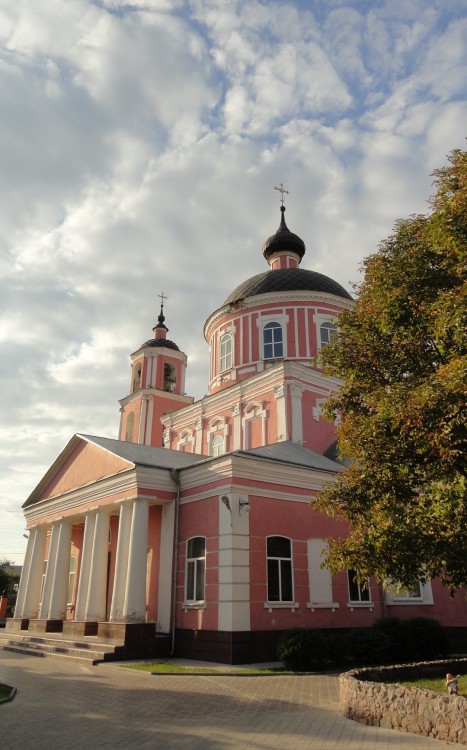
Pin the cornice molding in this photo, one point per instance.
(250, 304)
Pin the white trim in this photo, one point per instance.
(323, 605)
(281, 605)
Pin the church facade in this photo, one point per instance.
(197, 523)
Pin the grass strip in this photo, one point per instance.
(168, 668)
(436, 684)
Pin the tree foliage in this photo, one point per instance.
(5, 574)
(402, 357)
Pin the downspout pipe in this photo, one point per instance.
(175, 474)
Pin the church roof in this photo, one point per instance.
(145, 455)
(293, 453)
(160, 342)
(286, 280)
(284, 241)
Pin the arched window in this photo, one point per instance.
(225, 361)
(217, 446)
(279, 560)
(272, 341)
(137, 378)
(195, 569)
(130, 426)
(170, 377)
(326, 333)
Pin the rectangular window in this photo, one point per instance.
(418, 593)
(195, 569)
(279, 569)
(358, 592)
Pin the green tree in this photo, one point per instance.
(402, 357)
(5, 574)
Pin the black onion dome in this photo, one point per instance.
(283, 240)
(287, 280)
(160, 342)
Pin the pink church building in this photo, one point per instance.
(194, 532)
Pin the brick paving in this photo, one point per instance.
(66, 705)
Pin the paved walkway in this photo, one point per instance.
(65, 705)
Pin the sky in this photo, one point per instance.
(140, 145)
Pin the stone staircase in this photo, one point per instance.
(88, 650)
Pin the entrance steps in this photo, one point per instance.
(87, 650)
(84, 649)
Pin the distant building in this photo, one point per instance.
(199, 521)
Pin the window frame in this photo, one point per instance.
(193, 562)
(273, 326)
(326, 325)
(217, 446)
(395, 597)
(364, 593)
(225, 357)
(281, 568)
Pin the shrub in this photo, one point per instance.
(388, 641)
(427, 638)
(302, 649)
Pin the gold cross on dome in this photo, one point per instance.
(163, 297)
(282, 190)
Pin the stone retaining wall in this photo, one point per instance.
(367, 697)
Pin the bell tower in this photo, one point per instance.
(157, 387)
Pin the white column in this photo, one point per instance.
(49, 573)
(27, 604)
(58, 596)
(85, 567)
(121, 562)
(96, 605)
(134, 608)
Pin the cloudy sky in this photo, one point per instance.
(140, 144)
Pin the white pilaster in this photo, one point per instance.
(121, 563)
(134, 608)
(234, 564)
(237, 427)
(96, 605)
(58, 596)
(27, 604)
(165, 567)
(86, 555)
(199, 436)
(49, 573)
(296, 392)
(282, 434)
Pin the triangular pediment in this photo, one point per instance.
(81, 463)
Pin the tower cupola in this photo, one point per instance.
(284, 249)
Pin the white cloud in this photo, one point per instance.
(140, 145)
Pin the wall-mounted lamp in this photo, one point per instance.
(26, 536)
(243, 504)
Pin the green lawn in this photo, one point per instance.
(169, 668)
(437, 684)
